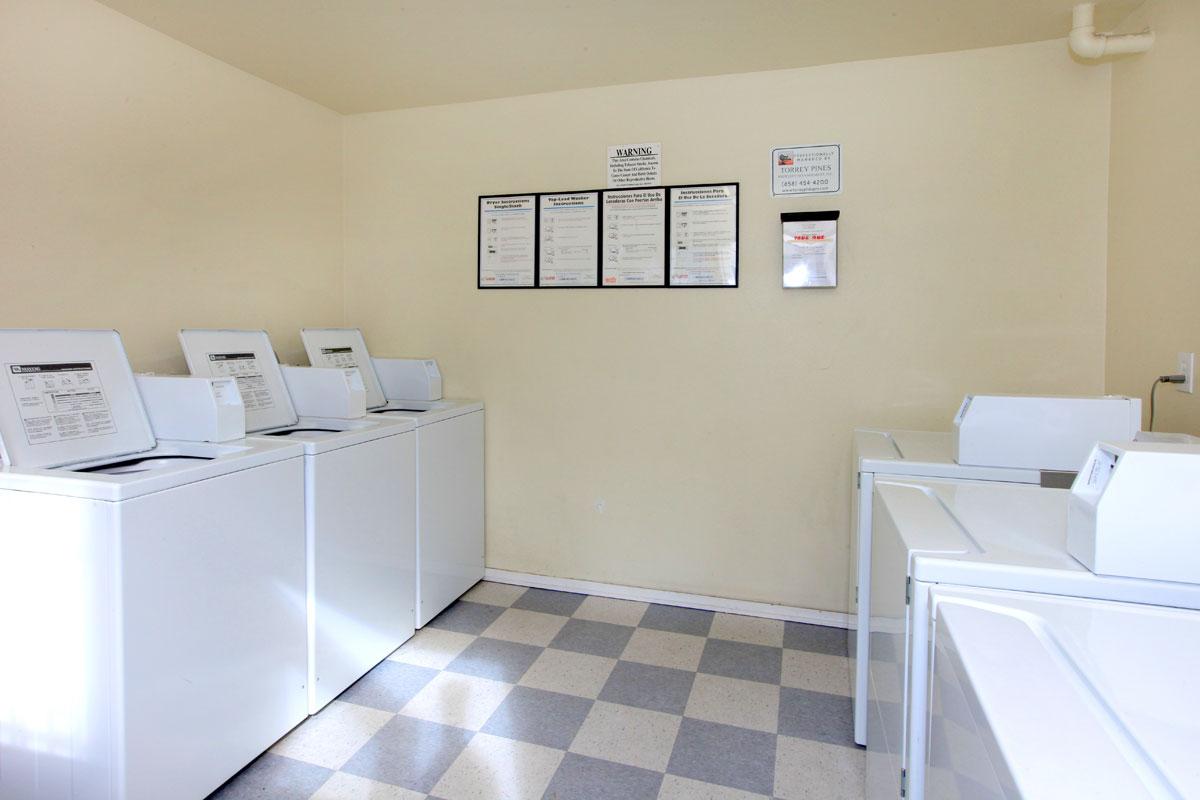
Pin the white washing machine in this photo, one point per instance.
(999, 438)
(360, 494)
(1036, 696)
(877, 454)
(151, 593)
(450, 470)
(941, 533)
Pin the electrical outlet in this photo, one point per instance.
(1187, 368)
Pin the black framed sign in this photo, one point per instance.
(671, 237)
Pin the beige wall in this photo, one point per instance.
(1154, 218)
(698, 440)
(147, 186)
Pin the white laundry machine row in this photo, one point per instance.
(450, 467)
(997, 438)
(935, 534)
(1040, 696)
(151, 592)
(359, 499)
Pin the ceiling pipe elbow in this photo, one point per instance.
(1086, 43)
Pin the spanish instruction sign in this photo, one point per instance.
(806, 169)
(634, 165)
(704, 235)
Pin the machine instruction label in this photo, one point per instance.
(338, 357)
(243, 368)
(61, 401)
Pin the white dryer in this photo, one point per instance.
(1037, 696)
(450, 470)
(360, 493)
(931, 534)
(151, 592)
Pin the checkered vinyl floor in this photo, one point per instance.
(527, 693)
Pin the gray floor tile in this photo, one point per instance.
(750, 662)
(593, 638)
(545, 718)
(389, 686)
(817, 716)
(677, 620)
(583, 778)
(409, 752)
(722, 754)
(495, 659)
(646, 686)
(816, 638)
(467, 617)
(272, 777)
(548, 602)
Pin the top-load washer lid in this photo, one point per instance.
(427, 412)
(925, 453)
(247, 357)
(1002, 536)
(68, 397)
(344, 347)
(1100, 706)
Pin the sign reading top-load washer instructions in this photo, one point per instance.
(244, 368)
(634, 165)
(808, 169)
(61, 401)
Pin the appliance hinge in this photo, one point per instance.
(856, 595)
(858, 480)
(903, 783)
(908, 590)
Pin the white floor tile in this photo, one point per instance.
(526, 627)
(609, 609)
(817, 672)
(494, 768)
(628, 735)
(729, 701)
(807, 770)
(433, 648)
(343, 786)
(463, 701)
(565, 672)
(331, 737)
(664, 649)
(751, 630)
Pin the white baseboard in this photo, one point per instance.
(833, 619)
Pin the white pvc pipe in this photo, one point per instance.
(1086, 43)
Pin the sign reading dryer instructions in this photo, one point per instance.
(506, 241)
(568, 239)
(704, 234)
(634, 165)
(61, 401)
(810, 169)
(244, 368)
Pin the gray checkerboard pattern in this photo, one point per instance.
(527, 693)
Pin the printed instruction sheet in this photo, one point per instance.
(244, 368)
(506, 241)
(569, 238)
(61, 401)
(635, 237)
(704, 235)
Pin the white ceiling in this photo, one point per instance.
(372, 55)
